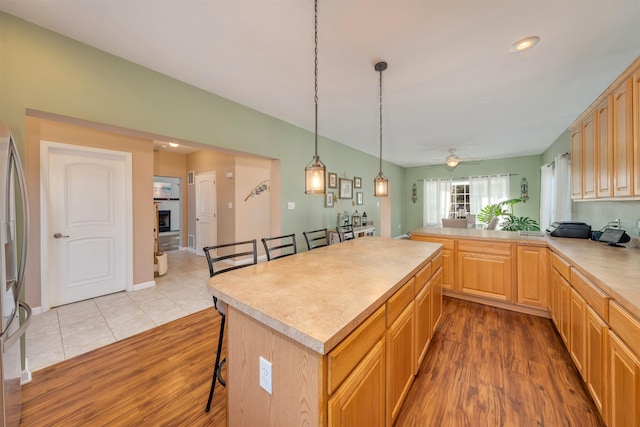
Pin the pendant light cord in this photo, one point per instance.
(315, 98)
(381, 121)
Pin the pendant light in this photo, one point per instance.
(380, 184)
(315, 174)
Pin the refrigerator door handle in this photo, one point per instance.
(13, 153)
(8, 341)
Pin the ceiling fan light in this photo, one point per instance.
(452, 161)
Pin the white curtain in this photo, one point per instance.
(487, 190)
(437, 200)
(547, 195)
(563, 188)
(555, 195)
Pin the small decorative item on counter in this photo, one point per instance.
(345, 217)
(356, 219)
(364, 218)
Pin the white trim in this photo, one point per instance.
(45, 148)
(144, 285)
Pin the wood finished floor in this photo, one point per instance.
(485, 367)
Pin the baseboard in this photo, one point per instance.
(540, 312)
(36, 310)
(145, 285)
(25, 375)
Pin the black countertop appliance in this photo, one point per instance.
(578, 230)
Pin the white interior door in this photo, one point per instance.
(206, 221)
(87, 201)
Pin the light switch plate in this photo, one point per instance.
(291, 205)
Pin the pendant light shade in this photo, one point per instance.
(380, 184)
(315, 174)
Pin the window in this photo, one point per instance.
(460, 205)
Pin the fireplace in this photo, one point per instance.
(164, 221)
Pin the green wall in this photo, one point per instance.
(45, 71)
(597, 213)
(520, 167)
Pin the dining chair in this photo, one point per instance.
(280, 246)
(454, 223)
(229, 256)
(345, 232)
(317, 238)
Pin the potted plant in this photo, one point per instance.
(511, 222)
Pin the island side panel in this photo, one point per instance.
(298, 386)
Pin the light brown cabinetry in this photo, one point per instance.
(448, 259)
(565, 310)
(624, 384)
(622, 140)
(577, 331)
(486, 269)
(436, 300)
(604, 149)
(423, 329)
(400, 361)
(576, 162)
(596, 368)
(533, 275)
(605, 142)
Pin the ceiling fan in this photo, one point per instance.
(453, 160)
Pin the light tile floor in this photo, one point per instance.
(70, 330)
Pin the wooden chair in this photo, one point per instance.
(316, 238)
(454, 223)
(281, 245)
(242, 254)
(345, 232)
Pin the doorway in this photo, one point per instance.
(86, 222)
(206, 212)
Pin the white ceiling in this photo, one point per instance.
(451, 81)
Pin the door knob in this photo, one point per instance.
(58, 236)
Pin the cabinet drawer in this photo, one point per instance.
(399, 301)
(563, 267)
(436, 263)
(595, 297)
(485, 247)
(344, 358)
(423, 276)
(625, 326)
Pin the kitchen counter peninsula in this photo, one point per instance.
(313, 316)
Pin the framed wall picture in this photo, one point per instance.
(333, 180)
(346, 188)
(357, 182)
(328, 202)
(359, 196)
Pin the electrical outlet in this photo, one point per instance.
(265, 374)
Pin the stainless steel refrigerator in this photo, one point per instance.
(15, 313)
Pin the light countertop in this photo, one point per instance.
(615, 270)
(318, 297)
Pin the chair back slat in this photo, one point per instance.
(280, 246)
(345, 232)
(316, 238)
(242, 259)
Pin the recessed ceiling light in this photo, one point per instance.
(174, 144)
(524, 44)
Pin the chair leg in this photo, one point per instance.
(218, 365)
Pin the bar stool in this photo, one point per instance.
(282, 245)
(316, 238)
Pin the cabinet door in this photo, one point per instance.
(597, 336)
(588, 158)
(564, 309)
(486, 275)
(624, 384)
(577, 331)
(422, 325)
(449, 269)
(533, 276)
(576, 162)
(554, 297)
(622, 140)
(636, 127)
(400, 364)
(604, 149)
(360, 399)
(436, 300)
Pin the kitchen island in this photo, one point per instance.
(337, 324)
